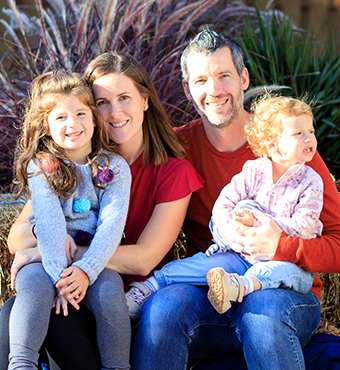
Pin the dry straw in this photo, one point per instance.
(9, 211)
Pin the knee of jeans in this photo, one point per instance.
(33, 275)
(260, 314)
(172, 309)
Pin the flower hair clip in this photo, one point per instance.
(106, 175)
(49, 164)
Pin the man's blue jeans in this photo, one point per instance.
(270, 327)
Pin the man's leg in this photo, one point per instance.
(274, 325)
(178, 323)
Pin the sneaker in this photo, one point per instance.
(224, 288)
(136, 297)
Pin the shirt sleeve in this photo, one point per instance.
(112, 215)
(320, 254)
(304, 222)
(50, 223)
(178, 180)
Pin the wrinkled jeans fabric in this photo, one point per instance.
(270, 327)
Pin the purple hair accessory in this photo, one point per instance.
(105, 174)
(81, 205)
(83, 238)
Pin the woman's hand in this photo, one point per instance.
(23, 258)
(72, 285)
(60, 302)
(259, 243)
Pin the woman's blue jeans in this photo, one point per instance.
(270, 327)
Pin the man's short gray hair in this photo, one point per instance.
(207, 42)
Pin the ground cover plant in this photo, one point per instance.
(69, 33)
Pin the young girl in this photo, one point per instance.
(78, 186)
(278, 184)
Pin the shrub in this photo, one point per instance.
(278, 52)
(69, 33)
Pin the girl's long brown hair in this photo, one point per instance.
(160, 140)
(35, 143)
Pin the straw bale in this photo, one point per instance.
(330, 303)
(9, 211)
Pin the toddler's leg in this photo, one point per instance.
(280, 274)
(191, 270)
(30, 316)
(106, 299)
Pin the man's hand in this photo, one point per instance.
(259, 243)
(73, 284)
(21, 259)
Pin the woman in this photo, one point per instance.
(162, 183)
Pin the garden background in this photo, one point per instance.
(290, 45)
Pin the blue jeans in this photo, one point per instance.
(269, 327)
(271, 274)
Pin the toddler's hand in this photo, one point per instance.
(73, 284)
(243, 217)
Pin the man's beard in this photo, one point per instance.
(222, 120)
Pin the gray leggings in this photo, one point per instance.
(31, 311)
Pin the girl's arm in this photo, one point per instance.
(155, 241)
(112, 213)
(50, 223)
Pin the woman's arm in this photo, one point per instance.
(139, 259)
(155, 241)
(20, 235)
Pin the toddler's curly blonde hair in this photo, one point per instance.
(266, 123)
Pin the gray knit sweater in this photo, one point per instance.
(55, 217)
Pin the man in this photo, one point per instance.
(270, 327)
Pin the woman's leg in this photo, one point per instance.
(30, 316)
(4, 333)
(71, 340)
(106, 299)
